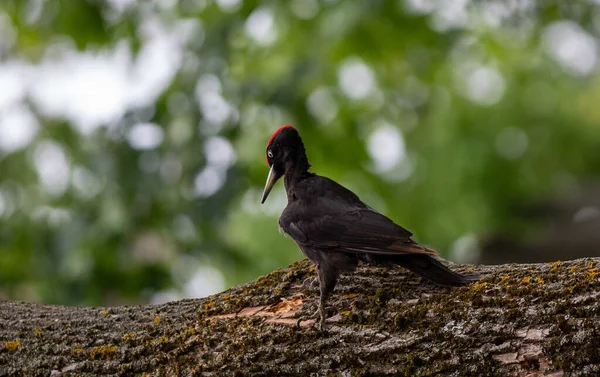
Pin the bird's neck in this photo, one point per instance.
(296, 169)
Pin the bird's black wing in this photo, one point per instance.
(361, 230)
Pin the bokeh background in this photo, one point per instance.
(132, 134)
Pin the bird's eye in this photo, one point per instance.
(270, 154)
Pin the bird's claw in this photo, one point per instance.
(318, 316)
(311, 284)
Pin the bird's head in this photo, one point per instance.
(284, 149)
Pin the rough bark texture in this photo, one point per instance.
(522, 320)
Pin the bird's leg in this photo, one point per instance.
(327, 280)
(321, 312)
(310, 284)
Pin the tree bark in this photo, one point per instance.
(520, 320)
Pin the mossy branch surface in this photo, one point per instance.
(522, 320)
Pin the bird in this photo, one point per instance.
(335, 230)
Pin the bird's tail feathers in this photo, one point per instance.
(430, 268)
(411, 248)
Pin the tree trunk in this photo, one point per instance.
(521, 320)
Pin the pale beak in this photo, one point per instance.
(271, 179)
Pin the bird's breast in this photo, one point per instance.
(282, 230)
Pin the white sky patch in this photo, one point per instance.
(484, 86)
(189, 30)
(386, 147)
(445, 15)
(96, 88)
(183, 267)
(219, 152)
(156, 64)
(121, 5)
(260, 26)
(322, 104)
(450, 15)
(571, 46)
(208, 181)
(229, 6)
(87, 185)
(206, 281)
(165, 296)
(215, 109)
(493, 13)
(511, 143)
(208, 83)
(421, 6)
(144, 136)
(52, 166)
(356, 79)
(18, 128)
(195, 279)
(86, 88)
(13, 76)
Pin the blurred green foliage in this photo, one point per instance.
(494, 105)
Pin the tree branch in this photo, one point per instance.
(523, 320)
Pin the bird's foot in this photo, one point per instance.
(312, 284)
(311, 317)
(318, 316)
